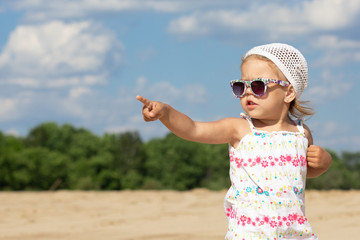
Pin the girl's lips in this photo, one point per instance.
(250, 103)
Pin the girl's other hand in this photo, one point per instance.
(319, 160)
(152, 110)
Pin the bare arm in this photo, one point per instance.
(318, 159)
(222, 131)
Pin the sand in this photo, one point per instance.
(170, 215)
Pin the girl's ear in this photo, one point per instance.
(290, 94)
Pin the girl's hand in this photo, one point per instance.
(152, 110)
(319, 160)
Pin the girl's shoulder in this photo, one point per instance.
(238, 123)
(240, 127)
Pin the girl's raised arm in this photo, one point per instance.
(222, 131)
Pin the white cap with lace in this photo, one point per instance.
(289, 60)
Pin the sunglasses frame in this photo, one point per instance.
(247, 84)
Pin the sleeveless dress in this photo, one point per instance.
(266, 199)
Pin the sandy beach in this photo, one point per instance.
(171, 215)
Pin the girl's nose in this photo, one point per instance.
(248, 90)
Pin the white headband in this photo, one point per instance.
(289, 60)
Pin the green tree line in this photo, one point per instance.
(56, 156)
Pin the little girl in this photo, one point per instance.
(271, 154)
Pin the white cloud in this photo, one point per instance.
(302, 18)
(336, 51)
(44, 10)
(333, 42)
(15, 104)
(8, 109)
(57, 54)
(40, 10)
(331, 14)
(211, 17)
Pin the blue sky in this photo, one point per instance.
(83, 62)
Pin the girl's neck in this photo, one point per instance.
(274, 125)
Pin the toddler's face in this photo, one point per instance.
(270, 105)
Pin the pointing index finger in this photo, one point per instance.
(143, 100)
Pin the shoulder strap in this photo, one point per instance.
(300, 125)
(248, 118)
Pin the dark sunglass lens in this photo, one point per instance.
(238, 88)
(258, 87)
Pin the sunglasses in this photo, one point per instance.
(258, 86)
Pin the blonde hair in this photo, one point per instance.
(297, 108)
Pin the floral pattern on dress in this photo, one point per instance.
(266, 198)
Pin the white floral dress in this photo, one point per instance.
(266, 198)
